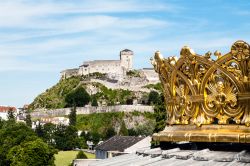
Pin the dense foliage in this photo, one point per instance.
(102, 126)
(153, 97)
(77, 98)
(20, 146)
(113, 96)
(61, 137)
(66, 137)
(35, 153)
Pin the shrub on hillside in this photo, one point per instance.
(81, 155)
(77, 98)
(153, 97)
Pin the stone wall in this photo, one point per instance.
(101, 66)
(69, 73)
(38, 113)
(132, 84)
(150, 75)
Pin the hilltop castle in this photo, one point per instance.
(114, 68)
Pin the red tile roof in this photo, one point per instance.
(7, 108)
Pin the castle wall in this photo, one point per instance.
(132, 84)
(150, 75)
(105, 66)
(69, 73)
(39, 113)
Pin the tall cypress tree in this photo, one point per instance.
(72, 116)
(160, 114)
(11, 115)
(39, 130)
(123, 129)
(28, 120)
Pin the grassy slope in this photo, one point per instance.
(54, 96)
(64, 158)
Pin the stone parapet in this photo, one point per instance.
(38, 113)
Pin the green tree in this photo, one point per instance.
(132, 132)
(66, 137)
(59, 137)
(123, 129)
(110, 132)
(35, 153)
(86, 135)
(72, 116)
(95, 137)
(39, 130)
(71, 137)
(11, 115)
(79, 98)
(145, 129)
(94, 101)
(129, 101)
(153, 97)
(15, 140)
(48, 133)
(81, 155)
(160, 114)
(28, 120)
(82, 143)
(2, 122)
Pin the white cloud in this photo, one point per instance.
(11, 64)
(24, 13)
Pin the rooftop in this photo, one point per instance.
(178, 157)
(119, 143)
(126, 50)
(7, 108)
(100, 62)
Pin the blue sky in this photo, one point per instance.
(40, 38)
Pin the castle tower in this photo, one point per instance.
(126, 57)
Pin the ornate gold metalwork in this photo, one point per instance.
(200, 90)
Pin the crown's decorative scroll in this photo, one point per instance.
(201, 90)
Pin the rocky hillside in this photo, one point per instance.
(54, 97)
(136, 123)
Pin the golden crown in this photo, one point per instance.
(201, 90)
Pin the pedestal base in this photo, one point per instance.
(204, 133)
